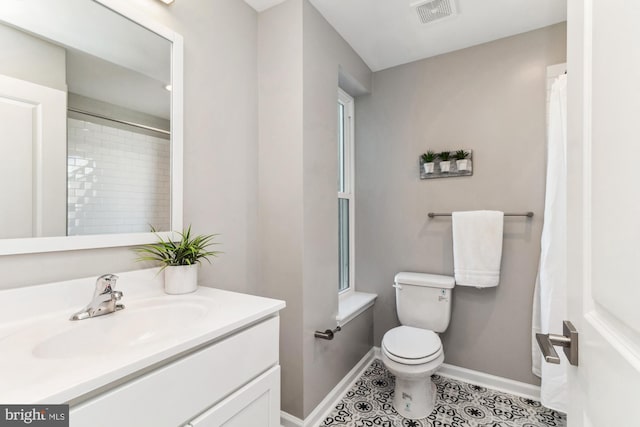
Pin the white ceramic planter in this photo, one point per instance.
(463, 165)
(428, 167)
(181, 279)
(445, 166)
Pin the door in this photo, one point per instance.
(17, 149)
(32, 129)
(604, 210)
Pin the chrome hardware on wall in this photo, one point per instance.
(569, 342)
(328, 334)
(527, 214)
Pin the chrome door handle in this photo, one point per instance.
(568, 341)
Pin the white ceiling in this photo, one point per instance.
(93, 77)
(261, 5)
(386, 33)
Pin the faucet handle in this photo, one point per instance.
(105, 284)
(115, 297)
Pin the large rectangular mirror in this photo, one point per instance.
(91, 125)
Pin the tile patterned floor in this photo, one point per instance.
(458, 404)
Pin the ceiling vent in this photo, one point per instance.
(434, 10)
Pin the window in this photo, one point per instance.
(346, 203)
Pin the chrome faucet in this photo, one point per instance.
(105, 299)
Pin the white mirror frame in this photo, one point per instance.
(70, 243)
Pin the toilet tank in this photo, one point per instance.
(424, 300)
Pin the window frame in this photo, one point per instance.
(349, 183)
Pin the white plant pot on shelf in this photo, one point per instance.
(428, 167)
(181, 279)
(445, 166)
(463, 165)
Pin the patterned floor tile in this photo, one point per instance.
(458, 404)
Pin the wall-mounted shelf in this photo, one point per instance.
(453, 168)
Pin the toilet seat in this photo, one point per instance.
(411, 346)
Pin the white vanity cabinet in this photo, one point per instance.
(234, 381)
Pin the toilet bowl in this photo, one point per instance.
(412, 355)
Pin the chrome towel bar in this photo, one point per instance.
(527, 214)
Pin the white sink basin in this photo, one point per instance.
(140, 323)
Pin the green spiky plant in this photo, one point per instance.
(187, 250)
(444, 156)
(461, 155)
(428, 157)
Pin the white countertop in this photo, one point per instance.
(36, 316)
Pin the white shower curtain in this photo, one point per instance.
(549, 305)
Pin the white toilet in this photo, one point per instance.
(413, 351)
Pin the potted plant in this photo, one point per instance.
(445, 164)
(179, 259)
(428, 160)
(462, 162)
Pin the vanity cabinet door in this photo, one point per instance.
(173, 394)
(256, 404)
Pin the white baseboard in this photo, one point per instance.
(325, 407)
(288, 420)
(494, 382)
(470, 376)
(377, 353)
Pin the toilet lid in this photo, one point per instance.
(407, 342)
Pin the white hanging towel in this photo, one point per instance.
(477, 247)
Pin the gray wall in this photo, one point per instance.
(326, 57)
(301, 59)
(489, 98)
(29, 58)
(280, 183)
(220, 120)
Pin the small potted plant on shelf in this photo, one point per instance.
(179, 259)
(462, 162)
(445, 164)
(428, 160)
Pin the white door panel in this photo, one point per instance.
(616, 156)
(34, 190)
(604, 210)
(16, 171)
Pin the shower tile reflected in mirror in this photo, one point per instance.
(118, 180)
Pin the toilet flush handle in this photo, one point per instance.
(399, 287)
